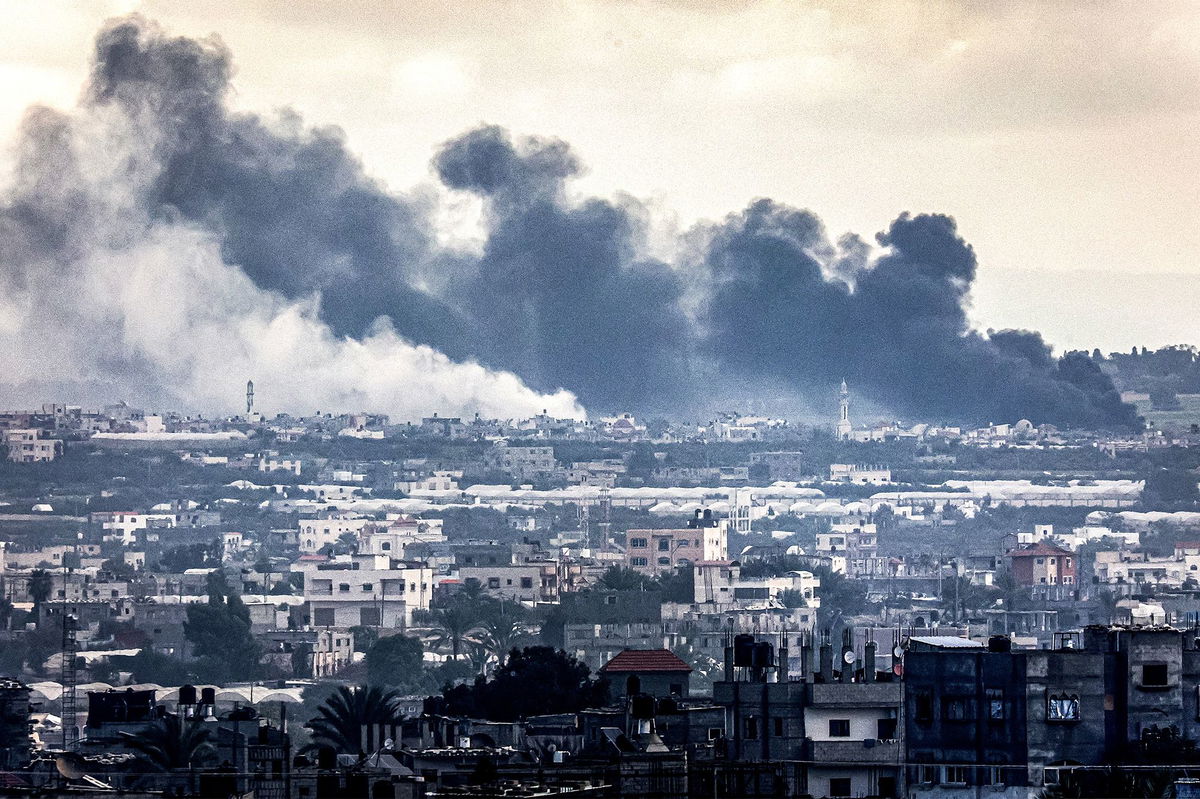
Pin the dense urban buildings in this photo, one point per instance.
(343, 605)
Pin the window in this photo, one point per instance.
(368, 587)
(664, 545)
(323, 617)
(839, 728)
(995, 775)
(493, 582)
(1041, 561)
(664, 561)
(637, 543)
(369, 617)
(1154, 675)
(778, 728)
(886, 730)
(638, 562)
(1062, 707)
(995, 704)
(955, 775)
(343, 586)
(839, 786)
(715, 732)
(924, 707)
(954, 710)
(751, 727)
(929, 775)
(527, 582)
(610, 600)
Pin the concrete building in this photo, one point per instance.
(368, 590)
(706, 538)
(1043, 564)
(30, 446)
(658, 672)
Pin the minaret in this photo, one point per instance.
(250, 397)
(843, 426)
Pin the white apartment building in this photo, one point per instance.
(317, 532)
(721, 583)
(533, 581)
(368, 590)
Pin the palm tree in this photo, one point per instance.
(454, 625)
(343, 716)
(173, 743)
(500, 635)
(40, 586)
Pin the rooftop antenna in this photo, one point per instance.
(249, 397)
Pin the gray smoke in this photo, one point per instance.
(562, 294)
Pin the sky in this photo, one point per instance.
(1061, 136)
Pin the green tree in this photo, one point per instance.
(341, 718)
(395, 660)
(155, 667)
(40, 586)
(534, 681)
(454, 625)
(173, 743)
(364, 637)
(620, 578)
(219, 631)
(500, 635)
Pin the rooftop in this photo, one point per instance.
(644, 660)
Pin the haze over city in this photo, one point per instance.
(648, 137)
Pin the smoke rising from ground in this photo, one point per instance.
(209, 246)
(109, 286)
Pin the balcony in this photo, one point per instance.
(868, 751)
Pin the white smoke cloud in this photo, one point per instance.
(97, 293)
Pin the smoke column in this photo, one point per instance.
(202, 246)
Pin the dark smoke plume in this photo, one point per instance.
(761, 305)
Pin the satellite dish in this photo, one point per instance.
(69, 766)
(898, 651)
(848, 656)
(388, 743)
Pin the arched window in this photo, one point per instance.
(1062, 707)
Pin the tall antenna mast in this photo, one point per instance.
(69, 679)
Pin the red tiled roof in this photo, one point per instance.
(643, 660)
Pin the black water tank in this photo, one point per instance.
(764, 655)
(187, 695)
(208, 696)
(642, 707)
(743, 650)
(999, 643)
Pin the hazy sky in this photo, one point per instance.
(1062, 136)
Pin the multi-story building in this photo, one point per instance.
(1043, 565)
(30, 446)
(368, 590)
(1013, 721)
(721, 583)
(328, 527)
(527, 581)
(706, 538)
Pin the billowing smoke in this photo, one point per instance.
(110, 285)
(199, 246)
